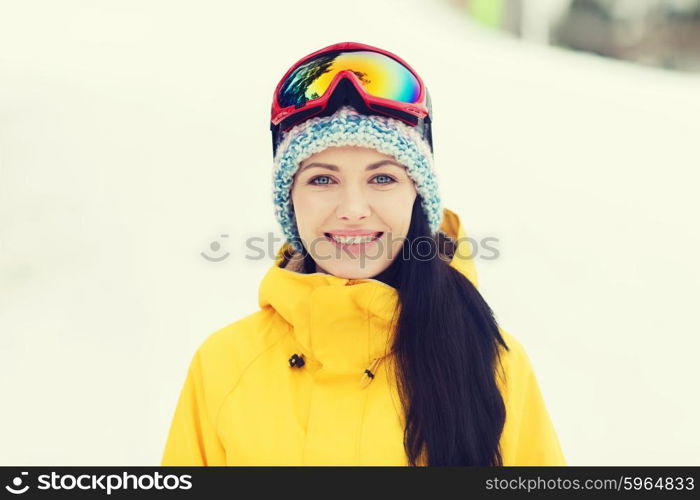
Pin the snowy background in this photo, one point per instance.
(135, 134)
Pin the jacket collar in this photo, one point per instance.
(344, 324)
(341, 323)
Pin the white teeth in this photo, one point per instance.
(353, 240)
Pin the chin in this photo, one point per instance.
(354, 270)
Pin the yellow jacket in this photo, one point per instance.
(242, 403)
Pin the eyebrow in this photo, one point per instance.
(371, 166)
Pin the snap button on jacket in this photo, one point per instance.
(244, 403)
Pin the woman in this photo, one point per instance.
(372, 345)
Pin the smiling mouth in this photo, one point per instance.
(375, 237)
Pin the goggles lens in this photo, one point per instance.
(380, 76)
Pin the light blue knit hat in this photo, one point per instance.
(347, 127)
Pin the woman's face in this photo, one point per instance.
(351, 189)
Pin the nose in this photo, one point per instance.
(353, 205)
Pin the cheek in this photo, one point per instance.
(311, 203)
(311, 211)
(396, 209)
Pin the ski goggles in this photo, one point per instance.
(384, 82)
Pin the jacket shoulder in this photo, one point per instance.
(224, 356)
(514, 361)
(215, 369)
(235, 345)
(529, 436)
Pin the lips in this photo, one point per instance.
(377, 235)
(353, 232)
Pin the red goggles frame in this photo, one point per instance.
(415, 114)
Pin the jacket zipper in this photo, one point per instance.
(369, 373)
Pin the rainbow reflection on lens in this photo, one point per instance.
(380, 76)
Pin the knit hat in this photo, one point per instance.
(347, 127)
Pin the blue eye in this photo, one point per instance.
(313, 181)
(391, 179)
